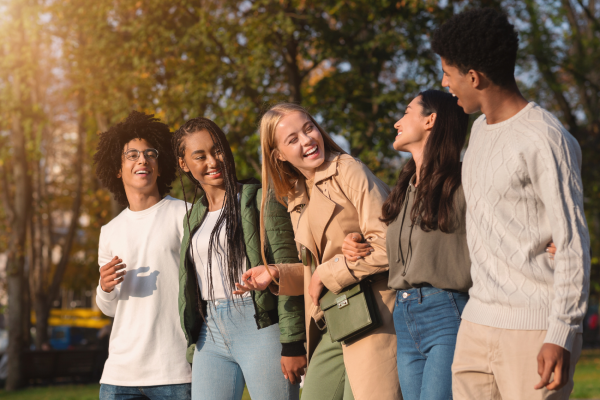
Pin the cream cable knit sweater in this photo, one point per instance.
(522, 183)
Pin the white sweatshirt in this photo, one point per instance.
(522, 183)
(147, 345)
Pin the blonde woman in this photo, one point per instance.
(329, 195)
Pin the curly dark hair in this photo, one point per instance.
(481, 39)
(109, 152)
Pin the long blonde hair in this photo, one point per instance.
(279, 176)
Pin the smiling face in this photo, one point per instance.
(413, 128)
(463, 86)
(203, 159)
(140, 175)
(299, 142)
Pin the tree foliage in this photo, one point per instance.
(70, 69)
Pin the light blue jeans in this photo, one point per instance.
(162, 392)
(231, 352)
(426, 321)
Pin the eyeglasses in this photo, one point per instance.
(134, 154)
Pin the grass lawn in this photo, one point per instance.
(66, 392)
(587, 376)
(587, 385)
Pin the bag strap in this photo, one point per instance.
(308, 259)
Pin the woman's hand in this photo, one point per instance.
(257, 278)
(551, 250)
(353, 248)
(293, 368)
(315, 288)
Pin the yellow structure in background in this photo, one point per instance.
(76, 317)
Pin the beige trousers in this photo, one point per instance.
(495, 363)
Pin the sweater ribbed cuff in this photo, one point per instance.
(561, 335)
(293, 349)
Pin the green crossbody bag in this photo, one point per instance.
(350, 314)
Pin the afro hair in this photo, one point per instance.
(109, 153)
(481, 39)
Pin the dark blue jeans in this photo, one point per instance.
(426, 321)
(163, 392)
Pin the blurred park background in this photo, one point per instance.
(69, 69)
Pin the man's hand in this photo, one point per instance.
(553, 358)
(315, 288)
(257, 278)
(109, 277)
(293, 368)
(353, 248)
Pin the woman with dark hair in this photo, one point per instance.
(234, 341)
(427, 244)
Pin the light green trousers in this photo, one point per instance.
(326, 378)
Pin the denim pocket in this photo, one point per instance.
(454, 306)
(458, 308)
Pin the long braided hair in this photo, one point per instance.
(230, 215)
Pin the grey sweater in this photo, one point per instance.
(522, 183)
(418, 258)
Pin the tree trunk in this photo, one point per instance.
(54, 289)
(290, 55)
(18, 223)
(15, 317)
(42, 313)
(26, 306)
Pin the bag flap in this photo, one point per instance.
(331, 299)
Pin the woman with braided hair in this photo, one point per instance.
(233, 340)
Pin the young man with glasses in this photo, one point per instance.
(520, 337)
(139, 264)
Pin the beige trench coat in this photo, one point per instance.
(346, 198)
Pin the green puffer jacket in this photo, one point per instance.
(281, 248)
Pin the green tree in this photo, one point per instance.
(20, 115)
(560, 58)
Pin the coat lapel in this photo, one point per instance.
(319, 213)
(297, 207)
(316, 212)
(304, 235)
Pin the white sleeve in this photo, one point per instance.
(107, 302)
(554, 165)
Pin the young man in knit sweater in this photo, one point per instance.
(139, 264)
(521, 332)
